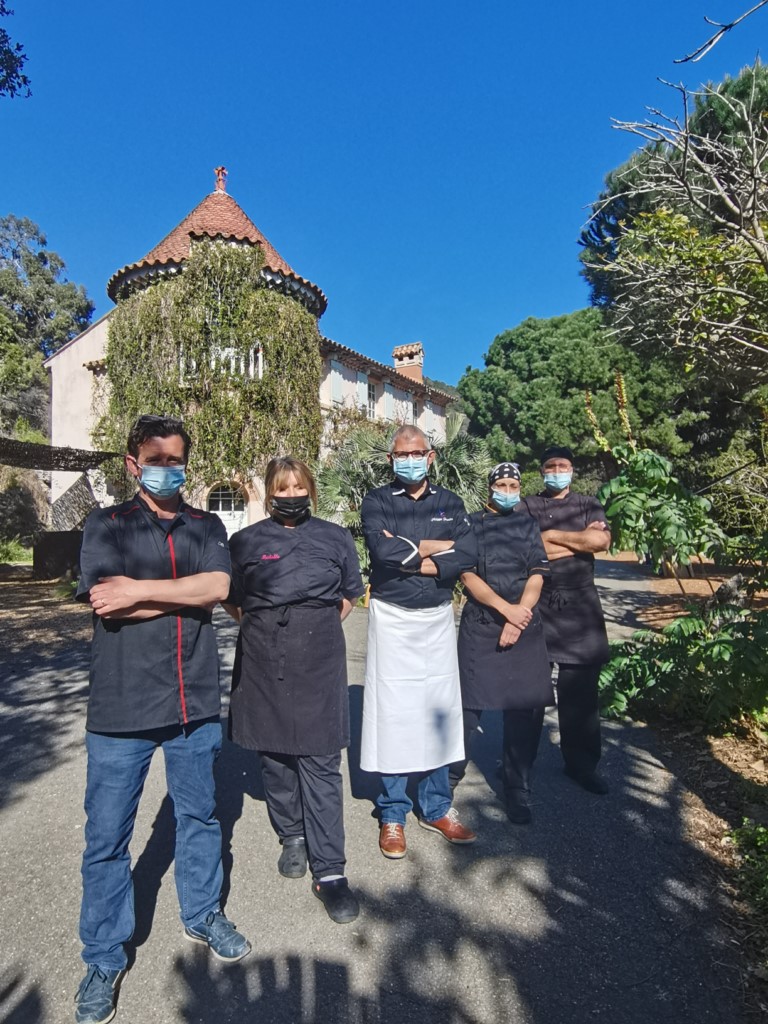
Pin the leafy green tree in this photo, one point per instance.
(13, 81)
(40, 310)
(676, 251)
(651, 512)
(531, 392)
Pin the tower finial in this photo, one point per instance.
(221, 178)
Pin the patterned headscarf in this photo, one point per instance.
(509, 470)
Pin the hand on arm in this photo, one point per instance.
(234, 610)
(509, 635)
(517, 615)
(121, 597)
(561, 543)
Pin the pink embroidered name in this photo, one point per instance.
(269, 558)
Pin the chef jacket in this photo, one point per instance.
(437, 514)
(150, 673)
(572, 514)
(510, 550)
(273, 565)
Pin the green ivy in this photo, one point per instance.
(170, 351)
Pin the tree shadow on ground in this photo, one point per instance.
(42, 711)
(20, 1002)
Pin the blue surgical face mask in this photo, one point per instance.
(163, 481)
(557, 481)
(505, 501)
(410, 470)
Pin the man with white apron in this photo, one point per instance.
(420, 541)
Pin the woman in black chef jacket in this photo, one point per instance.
(294, 578)
(503, 660)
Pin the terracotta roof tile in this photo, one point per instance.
(217, 215)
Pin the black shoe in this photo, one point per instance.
(293, 859)
(518, 814)
(590, 781)
(338, 899)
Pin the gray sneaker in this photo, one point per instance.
(220, 936)
(96, 998)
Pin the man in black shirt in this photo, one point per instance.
(420, 540)
(152, 569)
(573, 528)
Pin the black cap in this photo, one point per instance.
(556, 451)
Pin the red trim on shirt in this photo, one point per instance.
(172, 551)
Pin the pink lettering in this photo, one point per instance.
(269, 558)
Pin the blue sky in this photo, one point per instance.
(427, 164)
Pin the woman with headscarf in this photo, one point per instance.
(294, 579)
(503, 660)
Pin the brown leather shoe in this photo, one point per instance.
(392, 840)
(450, 828)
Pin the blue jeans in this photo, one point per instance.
(117, 770)
(434, 797)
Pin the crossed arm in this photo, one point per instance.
(121, 597)
(564, 543)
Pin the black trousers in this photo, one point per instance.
(519, 746)
(305, 798)
(578, 713)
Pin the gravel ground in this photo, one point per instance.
(603, 909)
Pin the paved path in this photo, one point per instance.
(599, 911)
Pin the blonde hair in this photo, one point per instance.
(276, 478)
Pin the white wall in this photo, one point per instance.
(73, 415)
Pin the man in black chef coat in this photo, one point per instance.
(574, 528)
(152, 569)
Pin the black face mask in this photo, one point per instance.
(293, 510)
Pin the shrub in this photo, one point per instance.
(708, 666)
(14, 551)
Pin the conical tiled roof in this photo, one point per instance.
(217, 216)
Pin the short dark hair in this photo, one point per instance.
(147, 427)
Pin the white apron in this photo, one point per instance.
(412, 720)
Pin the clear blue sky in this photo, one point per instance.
(427, 164)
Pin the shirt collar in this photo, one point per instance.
(398, 489)
(150, 512)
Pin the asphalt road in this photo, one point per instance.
(599, 910)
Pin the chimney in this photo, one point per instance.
(409, 360)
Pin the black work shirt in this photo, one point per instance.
(510, 550)
(572, 514)
(149, 673)
(274, 565)
(437, 514)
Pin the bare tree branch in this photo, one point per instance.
(713, 40)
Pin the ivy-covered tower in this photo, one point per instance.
(213, 325)
(218, 217)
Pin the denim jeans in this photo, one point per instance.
(117, 769)
(434, 792)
